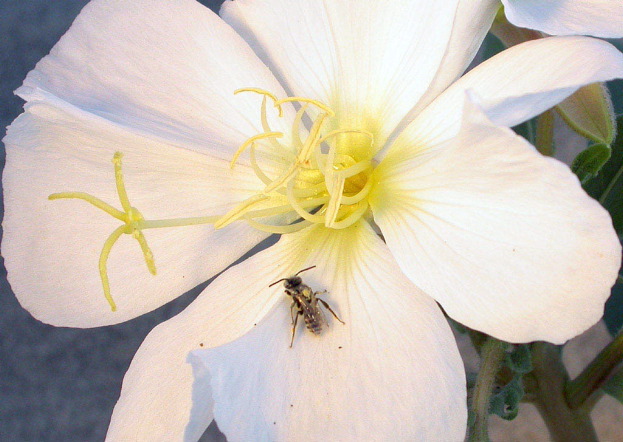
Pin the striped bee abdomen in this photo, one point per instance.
(314, 324)
(313, 318)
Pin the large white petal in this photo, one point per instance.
(371, 61)
(471, 24)
(392, 372)
(166, 68)
(158, 401)
(505, 239)
(601, 18)
(519, 83)
(52, 248)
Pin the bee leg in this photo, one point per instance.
(296, 318)
(292, 306)
(329, 308)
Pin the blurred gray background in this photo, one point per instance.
(61, 384)
(57, 384)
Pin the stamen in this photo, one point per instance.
(296, 125)
(281, 230)
(312, 139)
(280, 210)
(249, 142)
(316, 103)
(262, 92)
(266, 127)
(352, 218)
(256, 168)
(353, 170)
(353, 199)
(302, 158)
(310, 191)
(335, 190)
(330, 156)
(238, 211)
(299, 208)
(283, 178)
(336, 132)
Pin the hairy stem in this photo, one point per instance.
(580, 390)
(547, 382)
(492, 355)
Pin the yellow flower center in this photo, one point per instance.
(323, 178)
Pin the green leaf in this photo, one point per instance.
(607, 187)
(505, 401)
(519, 359)
(613, 313)
(614, 386)
(589, 162)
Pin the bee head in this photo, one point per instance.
(292, 282)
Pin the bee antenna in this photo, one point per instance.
(304, 270)
(297, 273)
(277, 282)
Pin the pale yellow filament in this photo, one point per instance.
(256, 168)
(352, 218)
(316, 103)
(262, 92)
(238, 211)
(250, 142)
(296, 126)
(300, 210)
(302, 158)
(280, 230)
(335, 190)
(353, 199)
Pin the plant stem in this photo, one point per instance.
(580, 390)
(492, 355)
(547, 381)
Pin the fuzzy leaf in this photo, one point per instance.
(505, 402)
(607, 187)
(589, 162)
(589, 113)
(519, 359)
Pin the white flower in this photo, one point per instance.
(601, 18)
(473, 218)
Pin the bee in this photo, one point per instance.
(305, 303)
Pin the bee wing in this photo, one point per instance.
(321, 316)
(311, 311)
